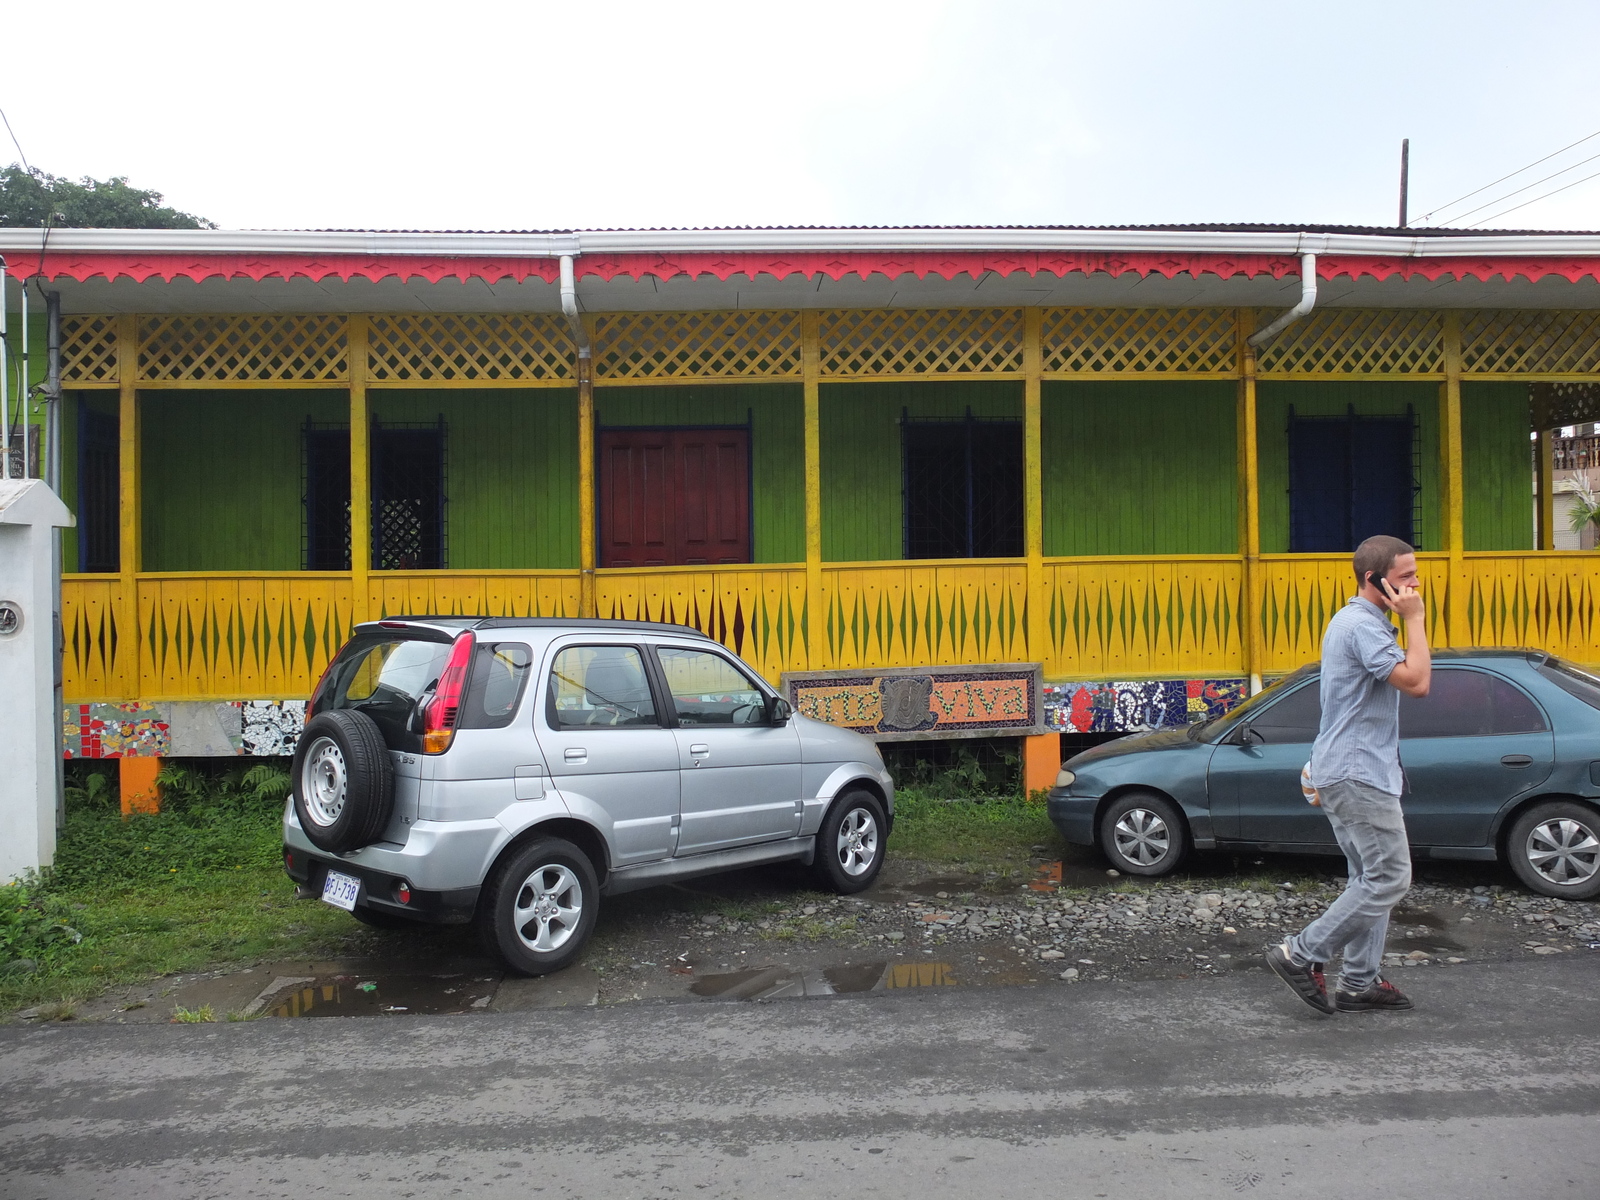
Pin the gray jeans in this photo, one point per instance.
(1372, 834)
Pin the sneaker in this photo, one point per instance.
(1306, 982)
(1381, 995)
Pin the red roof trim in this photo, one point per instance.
(142, 267)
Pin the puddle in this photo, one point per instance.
(384, 995)
(780, 983)
(1417, 916)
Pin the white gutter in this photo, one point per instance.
(793, 241)
(569, 307)
(1307, 301)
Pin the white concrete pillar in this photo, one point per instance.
(29, 510)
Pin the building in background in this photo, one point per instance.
(837, 451)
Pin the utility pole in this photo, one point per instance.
(1405, 173)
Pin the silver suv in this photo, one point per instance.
(510, 772)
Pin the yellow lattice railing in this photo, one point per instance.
(450, 348)
(1301, 592)
(1548, 600)
(915, 614)
(257, 349)
(697, 345)
(239, 636)
(1139, 341)
(88, 350)
(918, 341)
(1530, 343)
(758, 612)
(1350, 341)
(473, 594)
(1111, 617)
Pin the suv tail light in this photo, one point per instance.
(442, 712)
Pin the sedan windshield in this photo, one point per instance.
(1218, 727)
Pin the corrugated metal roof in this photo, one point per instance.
(1225, 227)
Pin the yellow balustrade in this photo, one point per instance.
(759, 612)
(268, 636)
(473, 594)
(904, 614)
(1138, 616)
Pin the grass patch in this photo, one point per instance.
(194, 886)
(992, 834)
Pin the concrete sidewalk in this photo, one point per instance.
(1209, 1087)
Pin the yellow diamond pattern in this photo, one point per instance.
(1156, 341)
(204, 348)
(921, 341)
(697, 345)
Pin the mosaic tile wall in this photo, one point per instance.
(181, 729)
(1138, 706)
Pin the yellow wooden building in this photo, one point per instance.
(271, 436)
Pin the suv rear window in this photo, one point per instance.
(384, 677)
(499, 675)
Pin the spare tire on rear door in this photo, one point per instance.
(343, 780)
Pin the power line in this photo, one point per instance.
(15, 143)
(1520, 190)
(1535, 200)
(1503, 178)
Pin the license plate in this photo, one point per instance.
(341, 890)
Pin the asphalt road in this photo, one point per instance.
(1203, 1088)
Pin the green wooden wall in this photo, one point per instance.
(777, 446)
(1497, 466)
(1140, 468)
(1327, 399)
(221, 477)
(511, 472)
(861, 468)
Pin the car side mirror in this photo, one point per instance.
(1247, 736)
(778, 711)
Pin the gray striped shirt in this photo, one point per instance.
(1359, 738)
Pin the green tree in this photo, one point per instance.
(28, 196)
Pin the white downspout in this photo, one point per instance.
(1308, 301)
(569, 307)
(5, 399)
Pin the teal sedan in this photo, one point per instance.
(1501, 758)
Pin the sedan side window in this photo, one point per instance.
(1464, 703)
(600, 686)
(707, 689)
(1295, 718)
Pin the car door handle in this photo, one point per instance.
(1516, 760)
(698, 753)
(576, 754)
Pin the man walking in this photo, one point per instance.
(1355, 769)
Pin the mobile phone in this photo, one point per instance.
(1378, 581)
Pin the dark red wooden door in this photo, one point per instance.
(672, 497)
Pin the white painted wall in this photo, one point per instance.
(28, 747)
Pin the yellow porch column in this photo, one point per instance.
(1251, 640)
(815, 625)
(1455, 632)
(1038, 625)
(587, 602)
(1544, 475)
(361, 605)
(129, 516)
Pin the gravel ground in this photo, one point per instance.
(765, 934)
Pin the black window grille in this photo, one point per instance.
(962, 486)
(326, 494)
(99, 477)
(408, 496)
(1352, 477)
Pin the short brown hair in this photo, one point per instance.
(1377, 554)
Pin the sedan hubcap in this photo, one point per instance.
(1564, 851)
(322, 781)
(858, 842)
(1141, 837)
(549, 907)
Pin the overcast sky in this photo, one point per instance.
(614, 113)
